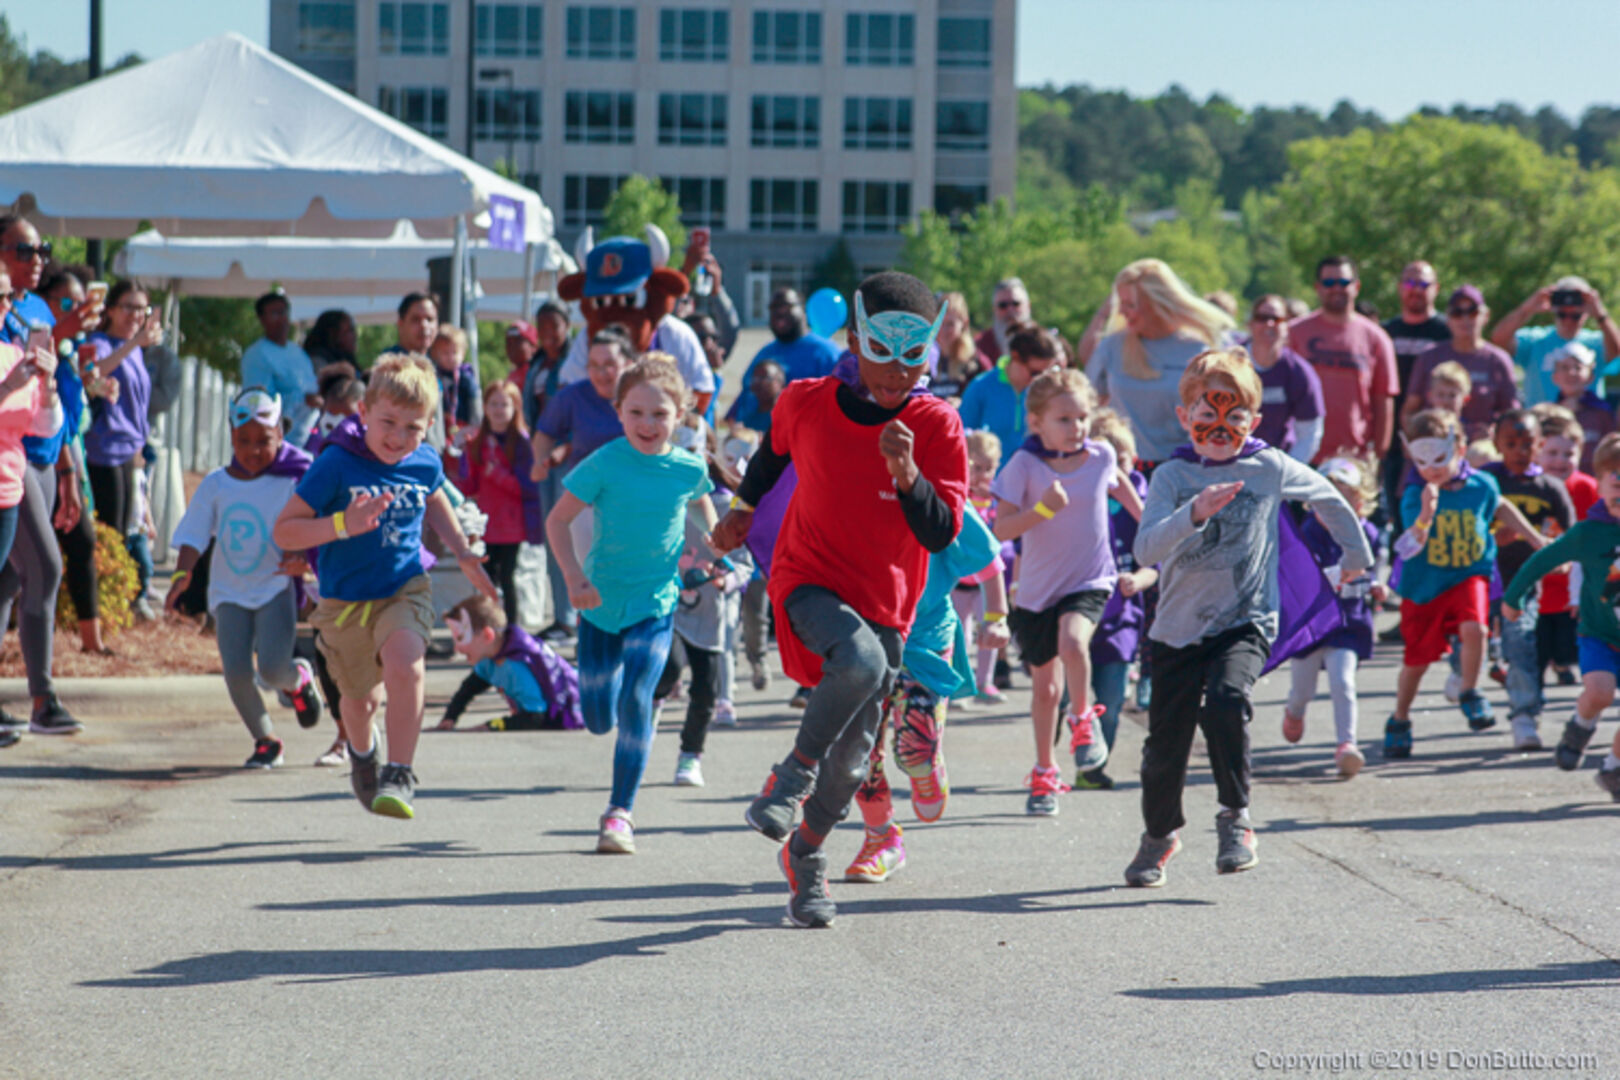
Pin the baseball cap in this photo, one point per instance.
(617, 266)
(524, 330)
(1469, 293)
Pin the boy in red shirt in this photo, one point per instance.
(882, 479)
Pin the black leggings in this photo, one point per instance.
(79, 567)
(114, 489)
(502, 564)
(700, 697)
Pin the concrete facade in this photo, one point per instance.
(783, 127)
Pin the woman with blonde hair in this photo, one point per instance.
(959, 358)
(1155, 326)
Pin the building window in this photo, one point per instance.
(510, 30)
(326, 29)
(954, 200)
(876, 206)
(696, 35)
(962, 125)
(601, 33)
(877, 123)
(507, 116)
(599, 116)
(702, 198)
(530, 180)
(793, 122)
(425, 108)
(783, 205)
(787, 37)
(964, 43)
(880, 40)
(585, 197)
(413, 29)
(691, 119)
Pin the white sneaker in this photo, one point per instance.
(725, 713)
(1453, 690)
(689, 771)
(1525, 736)
(335, 757)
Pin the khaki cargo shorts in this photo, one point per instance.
(352, 632)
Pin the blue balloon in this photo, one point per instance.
(826, 312)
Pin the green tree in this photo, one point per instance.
(1483, 204)
(836, 270)
(640, 202)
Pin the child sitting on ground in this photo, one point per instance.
(250, 578)
(540, 687)
(363, 503)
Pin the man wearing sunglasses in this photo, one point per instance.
(1011, 304)
(1355, 361)
(1489, 368)
(1572, 301)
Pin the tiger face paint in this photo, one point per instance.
(1219, 421)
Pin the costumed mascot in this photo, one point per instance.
(626, 283)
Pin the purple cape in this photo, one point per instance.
(555, 676)
(1307, 607)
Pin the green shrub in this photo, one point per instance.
(118, 580)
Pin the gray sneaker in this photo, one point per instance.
(1572, 746)
(363, 776)
(773, 813)
(395, 790)
(1525, 736)
(1147, 869)
(808, 903)
(1236, 839)
(1609, 780)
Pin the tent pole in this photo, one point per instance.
(458, 259)
(527, 311)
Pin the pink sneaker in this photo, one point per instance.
(928, 793)
(881, 855)
(1085, 742)
(1293, 726)
(617, 835)
(1349, 760)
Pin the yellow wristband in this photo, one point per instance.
(178, 577)
(339, 527)
(1045, 511)
(738, 504)
(991, 617)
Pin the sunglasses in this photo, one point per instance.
(1418, 283)
(1337, 282)
(1568, 313)
(1462, 312)
(26, 252)
(1004, 304)
(7, 297)
(1266, 317)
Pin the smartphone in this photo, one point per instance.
(96, 292)
(1568, 298)
(700, 236)
(39, 337)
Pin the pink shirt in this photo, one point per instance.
(21, 414)
(1356, 364)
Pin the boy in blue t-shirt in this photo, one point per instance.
(1448, 555)
(362, 503)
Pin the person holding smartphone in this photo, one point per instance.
(119, 427)
(708, 295)
(1571, 301)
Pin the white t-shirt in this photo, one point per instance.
(238, 515)
(672, 336)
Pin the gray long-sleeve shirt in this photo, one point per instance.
(1222, 574)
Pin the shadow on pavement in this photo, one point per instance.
(1589, 974)
(173, 774)
(696, 890)
(246, 853)
(1443, 822)
(431, 794)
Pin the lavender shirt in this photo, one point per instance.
(1290, 391)
(1071, 553)
(117, 432)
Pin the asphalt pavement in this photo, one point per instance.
(170, 914)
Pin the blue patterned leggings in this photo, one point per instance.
(617, 674)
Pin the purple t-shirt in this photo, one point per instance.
(1120, 628)
(1071, 552)
(582, 418)
(1491, 371)
(1290, 391)
(118, 431)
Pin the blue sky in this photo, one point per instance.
(1390, 55)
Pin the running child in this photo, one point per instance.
(1561, 450)
(495, 474)
(640, 487)
(882, 480)
(984, 458)
(251, 592)
(1119, 630)
(1210, 525)
(363, 504)
(1546, 505)
(1357, 482)
(1054, 492)
(934, 670)
(1593, 544)
(1445, 575)
(540, 687)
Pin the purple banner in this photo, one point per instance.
(505, 223)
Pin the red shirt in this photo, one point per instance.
(1356, 364)
(491, 481)
(844, 529)
(1583, 492)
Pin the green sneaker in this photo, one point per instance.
(396, 787)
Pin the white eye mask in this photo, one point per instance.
(1432, 452)
(460, 629)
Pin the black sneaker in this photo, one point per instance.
(1567, 676)
(395, 790)
(12, 722)
(808, 903)
(363, 775)
(1003, 676)
(1572, 746)
(557, 633)
(51, 719)
(1236, 842)
(266, 754)
(800, 698)
(9, 737)
(306, 700)
(785, 790)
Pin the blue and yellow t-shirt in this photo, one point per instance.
(1460, 542)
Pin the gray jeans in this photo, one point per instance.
(859, 663)
(271, 629)
(35, 571)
